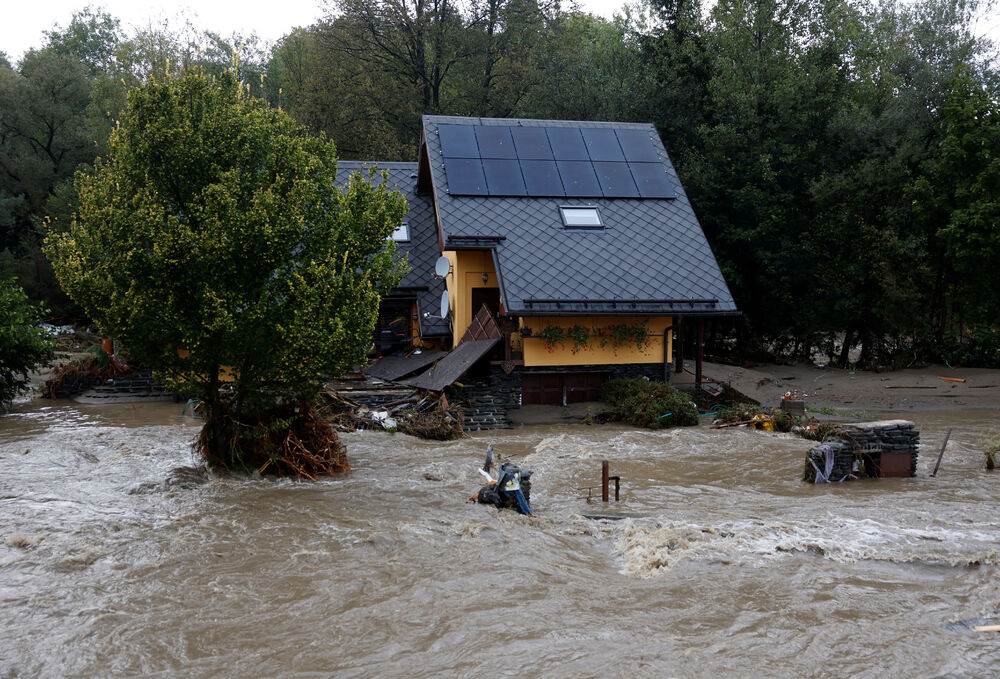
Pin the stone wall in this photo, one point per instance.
(651, 371)
(866, 449)
(485, 401)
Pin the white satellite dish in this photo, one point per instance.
(444, 304)
(442, 266)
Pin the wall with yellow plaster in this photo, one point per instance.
(535, 353)
(467, 269)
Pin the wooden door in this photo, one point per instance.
(541, 389)
(582, 387)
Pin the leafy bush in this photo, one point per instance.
(646, 404)
(23, 345)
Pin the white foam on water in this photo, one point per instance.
(650, 548)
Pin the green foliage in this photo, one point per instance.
(92, 36)
(23, 346)
(213, 237)
(644, 403)
(579, 335)
(956, 200)
(617, 335)
(552, 336)
(43, 137)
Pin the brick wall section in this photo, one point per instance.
(870, 438)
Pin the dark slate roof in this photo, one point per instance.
(651, 258)
(391, 368)
(452, 366)
(421, 250)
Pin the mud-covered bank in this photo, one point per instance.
(118, 560)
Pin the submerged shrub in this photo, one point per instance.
(654, 405)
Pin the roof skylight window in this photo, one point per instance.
(401, 234)
(581, 218)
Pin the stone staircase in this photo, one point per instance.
(483, 408)
(139, 386)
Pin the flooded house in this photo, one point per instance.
(546, 257)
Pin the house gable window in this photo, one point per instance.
(581, 218)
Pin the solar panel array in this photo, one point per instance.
(589, 162)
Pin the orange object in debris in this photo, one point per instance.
(108, 345)
(952, 379)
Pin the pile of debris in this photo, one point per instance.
(92, 368)
(422, 414)
(756, 417)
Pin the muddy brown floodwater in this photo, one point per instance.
(118, 559)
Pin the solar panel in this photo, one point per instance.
(638, 146)
(495, 141)
(652, 180)
(541, 178)
(579, 179)
(602, 144)
(567, 143)
(531, 143)
(503, 177)
(615, 180)
(458, 141)
(465, 176)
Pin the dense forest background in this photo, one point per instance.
(843, 156)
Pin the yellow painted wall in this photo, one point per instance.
(535, 353)
(467, 269)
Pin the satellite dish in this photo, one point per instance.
(444, 304)
(442, 266)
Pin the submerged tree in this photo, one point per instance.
(23, 345)
(214, 245)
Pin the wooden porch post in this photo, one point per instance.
(666, 354)
(679, 347)
(701, 352)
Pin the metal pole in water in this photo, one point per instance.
(941, 454)
(604, 481)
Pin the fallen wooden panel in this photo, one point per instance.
(451, 367)
(391, 368)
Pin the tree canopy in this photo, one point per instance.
(213, 243)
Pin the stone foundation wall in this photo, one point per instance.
(651, 371)
(485, 401)
(865, 443)
(137, 385)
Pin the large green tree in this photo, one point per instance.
(957, 200)
(213, 243)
